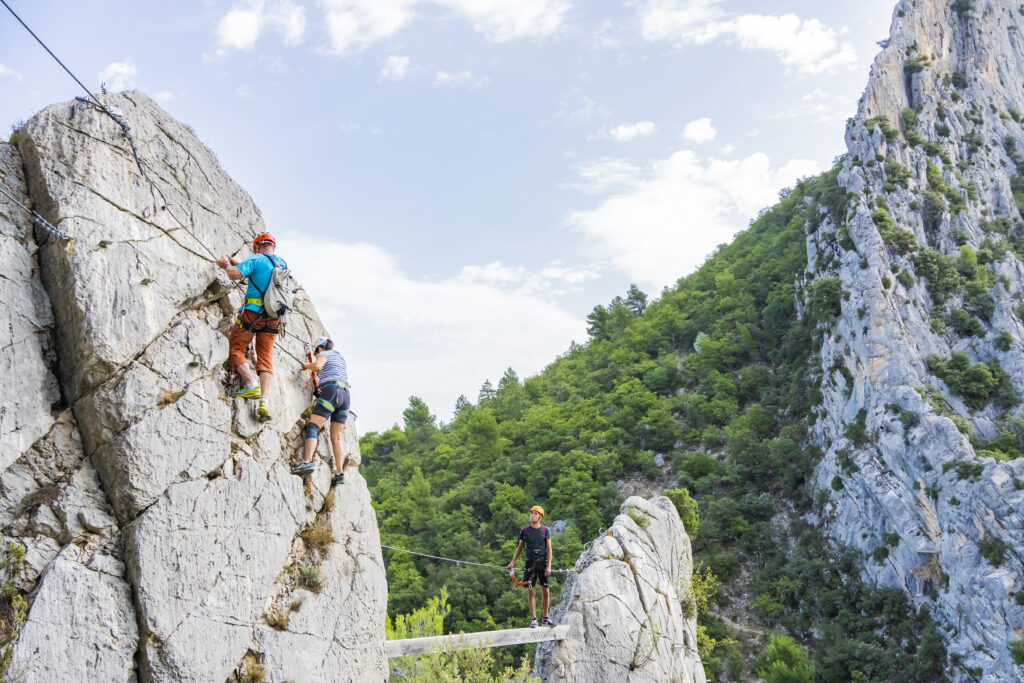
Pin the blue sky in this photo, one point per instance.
(459, 182)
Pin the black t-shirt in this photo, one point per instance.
(535, 541)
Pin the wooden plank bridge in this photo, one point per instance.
(513, 636)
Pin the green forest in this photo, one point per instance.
(717, 377)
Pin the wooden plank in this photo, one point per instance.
(512, 636)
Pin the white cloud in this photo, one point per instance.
(554, 279)
(119, 75)
(806, 44)
(460, 78)
(700, 130)
(290, 20)
(687, 21)
(432, 339)
(7, 72)
(240, 28)
(504, 20)
(396, 67)
(244, 92)
(658, 223)
(625, 132)
(163, 96)
(354, 25)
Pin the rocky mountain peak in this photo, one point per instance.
(923, 371)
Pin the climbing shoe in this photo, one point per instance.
(303, 468)
(533, 623)
(247, 392)
(263, 412)
(546, 622)
(338, 478)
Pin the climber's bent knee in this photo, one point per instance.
(311, 430)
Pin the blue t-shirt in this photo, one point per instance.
(259, 270)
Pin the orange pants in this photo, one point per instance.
(240, 337)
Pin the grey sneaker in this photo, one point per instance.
(546, 622)
(303, 468)
(338, 478)
(533, 623)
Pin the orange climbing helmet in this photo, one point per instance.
(265, 237)
(538, 508)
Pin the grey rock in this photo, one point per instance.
(156, 485)
(81, 626)
(904, 480)
(30, 387)
(629, 604)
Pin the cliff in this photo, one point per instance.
(166, 538)
(920, 443)
(630, 604)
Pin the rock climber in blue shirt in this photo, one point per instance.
(253, 320)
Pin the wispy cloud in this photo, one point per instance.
(459, 78)
(624, 132)
(700, 130)
(805, 44)
(504, 20)
(163, 96)
(554, 279)
(434, 339)
(396, 67)
(7, 72)
(119, 75)
(354, 25)
(655, 223)
(820, 106)
(575, 106)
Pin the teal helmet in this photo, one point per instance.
(322, 341)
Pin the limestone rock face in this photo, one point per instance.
(935, 148)
(165, 535)
(629, 604)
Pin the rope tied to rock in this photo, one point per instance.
(93, 102)
(39, 221)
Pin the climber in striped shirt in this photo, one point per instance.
(332, 403)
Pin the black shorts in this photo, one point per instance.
(332, 403)
(534, 573)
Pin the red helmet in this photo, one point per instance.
(265, 237)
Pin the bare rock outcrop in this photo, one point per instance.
(629, 604)
(929, 263)
(166, 539)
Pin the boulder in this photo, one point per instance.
(629, 603)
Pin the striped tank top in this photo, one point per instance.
(334, 369)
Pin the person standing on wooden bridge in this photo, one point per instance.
(537, 541)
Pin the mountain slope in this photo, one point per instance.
(839, 388)
(923, 438)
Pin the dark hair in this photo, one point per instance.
(328, 346)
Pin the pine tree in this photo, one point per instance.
(486, 391)
(636, 300)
